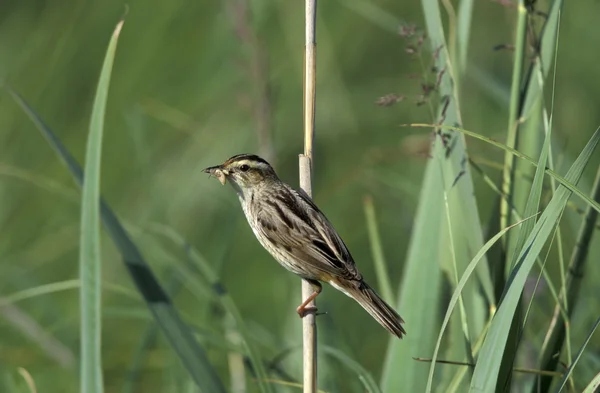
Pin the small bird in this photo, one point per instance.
(297, 234)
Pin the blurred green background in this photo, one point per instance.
(197, 82)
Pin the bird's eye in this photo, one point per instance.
(244, 168)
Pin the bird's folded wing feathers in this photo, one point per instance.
(324, 252)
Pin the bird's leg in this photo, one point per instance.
(304, 308)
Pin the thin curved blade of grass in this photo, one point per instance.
(28, 379)
(489, 361)
(163, 310)
(222, 296)
(90, 259)
(567, 375)
(383, 277)
(39, 181)
(60, 286)
(593, 386)
(561, 180)
(39, 335)
(374, 14)
(456, 295)
(363, 375)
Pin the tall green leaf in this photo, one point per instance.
(432, 245)
(418, 303)
(90, 260)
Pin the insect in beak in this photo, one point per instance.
(218, 172)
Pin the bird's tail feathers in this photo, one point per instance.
(379, 309)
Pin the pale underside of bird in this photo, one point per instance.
(297, 234)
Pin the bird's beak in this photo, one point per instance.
(218, 172)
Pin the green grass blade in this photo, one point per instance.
(465, 14)
(90, 260)
(418, 303)
(61, 286)
(511, 138)
(177, 332)
(383, 278)
(147, 340)
(222, 295)
(593, 386)
(489, 361)
(365, 377)
(455, 297)
(572, 366)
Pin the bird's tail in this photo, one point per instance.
(380, 310)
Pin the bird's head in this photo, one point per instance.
(244, 171)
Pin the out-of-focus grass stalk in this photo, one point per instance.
(383, 277)
(513, 116)
(28, 379)
(465, 14)
(30, 328)
(90, 260)
(256, 65)
(221, 294)
(147, 340)
(309, 326)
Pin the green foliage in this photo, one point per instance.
(90, 260)
(205, 308)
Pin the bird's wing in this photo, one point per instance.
(303, 232)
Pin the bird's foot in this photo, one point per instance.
(303, 310)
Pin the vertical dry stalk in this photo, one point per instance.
(309, 327)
